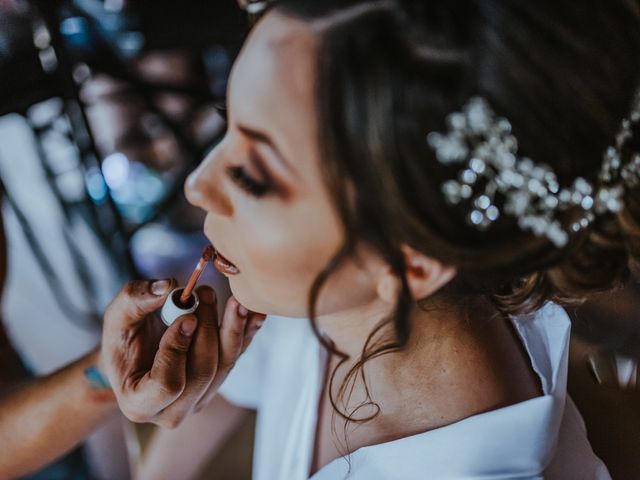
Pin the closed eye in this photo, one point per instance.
(249, 184)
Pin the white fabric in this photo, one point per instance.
(545, 437)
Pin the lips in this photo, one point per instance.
(224, 266)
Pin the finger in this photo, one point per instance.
(166, 380)
(136, 300)
(128, 310)
(202, 360)
(209, 304)
(203, 357)
(234, 321)
(255, 322)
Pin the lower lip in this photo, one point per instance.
(224, 266)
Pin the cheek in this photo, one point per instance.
(279, 266)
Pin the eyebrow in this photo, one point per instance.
(262, 137)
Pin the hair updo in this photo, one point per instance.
(390, 71)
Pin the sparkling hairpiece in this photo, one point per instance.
(486, 148)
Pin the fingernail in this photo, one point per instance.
(188, 326)
(160, 287)
(207, 296)
(259, 323)
(242, 310)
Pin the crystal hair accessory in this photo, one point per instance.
(484, 146)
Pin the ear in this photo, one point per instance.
(425, 276)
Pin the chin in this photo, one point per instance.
(247, 299)
(264, 306)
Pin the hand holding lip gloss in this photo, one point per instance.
(157, 374)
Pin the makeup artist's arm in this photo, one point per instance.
(42, 420)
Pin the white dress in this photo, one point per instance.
(545, 437)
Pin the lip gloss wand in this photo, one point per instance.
(208, 254)
(183, 301)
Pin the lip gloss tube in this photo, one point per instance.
(173, 308)
(184, 300)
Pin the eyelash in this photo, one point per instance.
(249, 184)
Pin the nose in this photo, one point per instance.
(204, 187)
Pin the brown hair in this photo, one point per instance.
(389, 71)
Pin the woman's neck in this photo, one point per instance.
(448, 356)
(350, 330)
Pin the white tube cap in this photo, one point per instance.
(172, 309)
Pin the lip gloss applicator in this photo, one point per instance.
(184, 300)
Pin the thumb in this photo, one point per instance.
(169, 370)
(136, 300)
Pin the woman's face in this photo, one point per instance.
(268, 210)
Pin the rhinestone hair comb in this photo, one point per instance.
(487, 151)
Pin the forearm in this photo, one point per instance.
(183, 452)
(42, 420)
